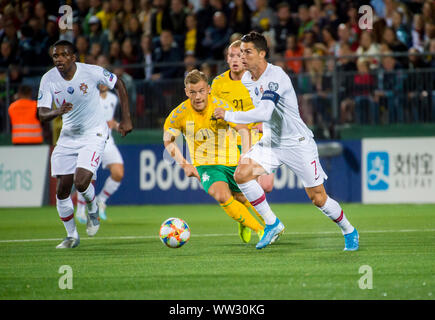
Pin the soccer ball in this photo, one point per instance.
(174, 232)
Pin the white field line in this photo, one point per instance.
(214, 235)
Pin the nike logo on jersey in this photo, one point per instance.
(56, 92)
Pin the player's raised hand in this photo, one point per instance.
(190, 171)
(65, 107)
(219, 113)
(125, 127)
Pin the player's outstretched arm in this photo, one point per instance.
(175, 153)
(125, 126)
(260, 114)
(46, 114)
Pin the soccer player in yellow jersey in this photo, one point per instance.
(212, 148)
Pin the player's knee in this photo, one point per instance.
(117, 174)
(241, 175)
(318, 199)
(221, 197)
(267, 186)
(81, 184)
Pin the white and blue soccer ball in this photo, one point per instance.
(174, 232)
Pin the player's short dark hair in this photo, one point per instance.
(24, 91)
(259, 41)
(66, 43)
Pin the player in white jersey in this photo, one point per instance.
(286, 140)
(73, 87)
(112, 158)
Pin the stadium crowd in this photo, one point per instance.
(154, 40)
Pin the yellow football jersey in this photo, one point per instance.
(235, 93)
(210, 141)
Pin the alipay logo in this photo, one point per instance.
(378, 170)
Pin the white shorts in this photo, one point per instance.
(302, 159)
(111, 154)
(86, 154)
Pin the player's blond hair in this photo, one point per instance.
(194, 77)
(235, 44)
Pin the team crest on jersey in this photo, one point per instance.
(261, 89)
(84, 87)
(273, 86)
(256, 91)
(70, 90)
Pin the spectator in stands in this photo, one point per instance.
(345, 36)
(417, 32)
(363, 85)
(103, 62)
(379, 26)
(160, 19)
(82, 46)
(26, 128)
(368, 47)
(390, 88)
(331, 18)
(9, 34)
(204, 15)
(240, 17)
(115, 52)
(127, 13)
(264, 17)
(329, 39)
(115, 31)
(284, 27)
(305, 23)
(129, 56)
(144, 15)
(217, 37)
(428, 11)
(193, 37)
(190, 62)
(393, 44)
(94, 8)
(402, 32)
(416, 87)
(146, 56)
(221, 6)
(6, 56)
(134, 30)
(105, 14)
(96, 34)
(178, 15)
(293, 50)
(429, 33)
(167, 53)
(129, 85)
(95, 50)
(27, 50)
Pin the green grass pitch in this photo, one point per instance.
(126, 259)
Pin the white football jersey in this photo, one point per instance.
(109, 106)
(285, 127)
(87, 115)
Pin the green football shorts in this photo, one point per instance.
(214, 173)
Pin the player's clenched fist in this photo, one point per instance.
(125, 127)
(65, 107)
(219, 113)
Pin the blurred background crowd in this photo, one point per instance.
(343, 71)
